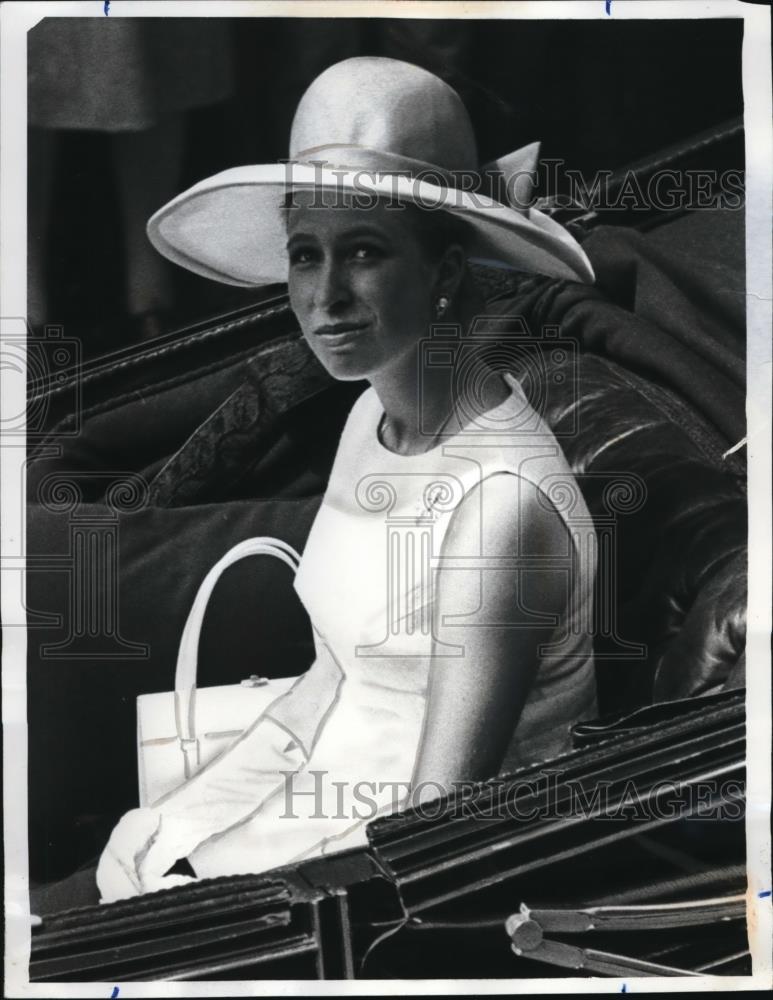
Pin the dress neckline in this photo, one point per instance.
(445, 439)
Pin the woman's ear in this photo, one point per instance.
(451, 270)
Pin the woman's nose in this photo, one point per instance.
(332, 286)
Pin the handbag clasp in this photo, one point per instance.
(253, 681)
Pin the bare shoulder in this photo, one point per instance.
(507, 513)
(509, 523)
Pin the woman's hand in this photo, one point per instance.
(129, 865)
(146, 843)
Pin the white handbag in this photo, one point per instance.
(180, 731)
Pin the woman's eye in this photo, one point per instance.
(301, 255)
(365, 252)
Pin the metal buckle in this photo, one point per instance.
(254, 681)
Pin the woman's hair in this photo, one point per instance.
(436, 230)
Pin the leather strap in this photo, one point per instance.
(187, 658)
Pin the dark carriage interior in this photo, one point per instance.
(225, 427)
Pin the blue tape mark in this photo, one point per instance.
(624, 987)
(116, 990)
(764, 894)
(608, 6)
(107, 11)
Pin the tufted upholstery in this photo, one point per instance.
(678, 563)
(657, 393)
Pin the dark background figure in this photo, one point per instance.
(124, 113)
(129, 83)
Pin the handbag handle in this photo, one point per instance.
(185, 672)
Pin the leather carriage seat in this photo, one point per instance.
(648, 413)
(671, 588)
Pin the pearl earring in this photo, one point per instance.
(440, 306)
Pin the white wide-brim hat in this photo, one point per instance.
(367, 127)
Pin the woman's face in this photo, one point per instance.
(361, 285)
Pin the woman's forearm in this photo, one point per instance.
(470, 715)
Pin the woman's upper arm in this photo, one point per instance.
(523, 548)
(501, 587)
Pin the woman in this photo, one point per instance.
(446, 589)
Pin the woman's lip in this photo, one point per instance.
(335, 337)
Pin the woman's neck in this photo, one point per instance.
(421, 403)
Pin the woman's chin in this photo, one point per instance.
(346, 369)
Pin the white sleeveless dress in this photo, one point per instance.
(340, 747)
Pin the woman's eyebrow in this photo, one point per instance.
(301, 236)
(355, 232)
(363, 230)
